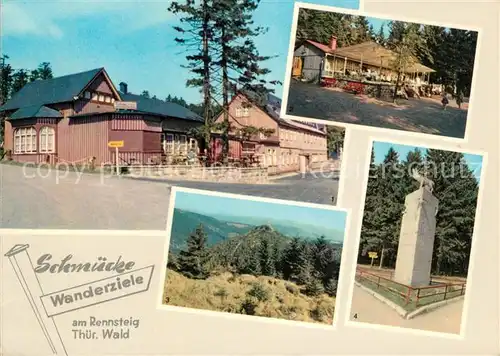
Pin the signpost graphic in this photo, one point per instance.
(25, 272)
(116, 145)
(95, 292)
(373, 256)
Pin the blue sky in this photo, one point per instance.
(215, 206)
(474, 162)
(132, 39)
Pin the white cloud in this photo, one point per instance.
(43, 18)
(17, 21)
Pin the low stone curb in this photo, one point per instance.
(184, 179)
(281, 176)
(429, 307)
(401, 311)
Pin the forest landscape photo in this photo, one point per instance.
(256, 257)
(417, 237)
(380, 72)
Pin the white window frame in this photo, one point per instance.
(168, 146)
(176, 144)
(47, 134)
(183, 146)
(242, 111)
(193, 144)
(107, 99)
(247, 148)
(25, 140)
(101, 98)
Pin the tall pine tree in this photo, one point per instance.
(267, 262)
(196, 34)
(456, 188)
(192, 261)
(239, 62)
(20, 79)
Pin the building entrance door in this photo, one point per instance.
(297, 66)
(304, 162)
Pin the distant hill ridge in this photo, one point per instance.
(290, 228)
(219, 229)
(241, 249)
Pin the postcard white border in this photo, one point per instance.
(375, 129)
(248, 318)
(343, 166)
(64, 232)
(472, 258)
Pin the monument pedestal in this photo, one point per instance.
(416, 239)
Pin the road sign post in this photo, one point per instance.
(116, 145)
(116, 160)
(373, 256)
(21, 262)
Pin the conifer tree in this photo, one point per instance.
(456, 188)
(314, 287)
(324, 260)
(396, 31)
(331, 287)
(6, 81)
(381, 233)
(237, 56)
(196, 34)
(267, 261)
(253, 264)
(43, 72)
(414, 160)
(20, 79)
(305, 268)
(277, 258)
(192, 262)
(291, 258)
(380, 37)
(369, 240)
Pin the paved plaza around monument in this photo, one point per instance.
(446, 319)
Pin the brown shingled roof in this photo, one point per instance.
(370, 53)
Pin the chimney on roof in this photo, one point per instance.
(124, 88)
(333, 43)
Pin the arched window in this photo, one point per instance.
(47, 140)
(25, 140)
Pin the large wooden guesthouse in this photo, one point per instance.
(72, 119)
(291, 146)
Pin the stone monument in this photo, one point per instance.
(416, 238)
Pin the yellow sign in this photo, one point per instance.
(372, 254)
(115, 144)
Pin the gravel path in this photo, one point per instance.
(424, 116)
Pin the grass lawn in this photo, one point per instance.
(397, 293)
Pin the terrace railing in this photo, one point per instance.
(411, 296)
